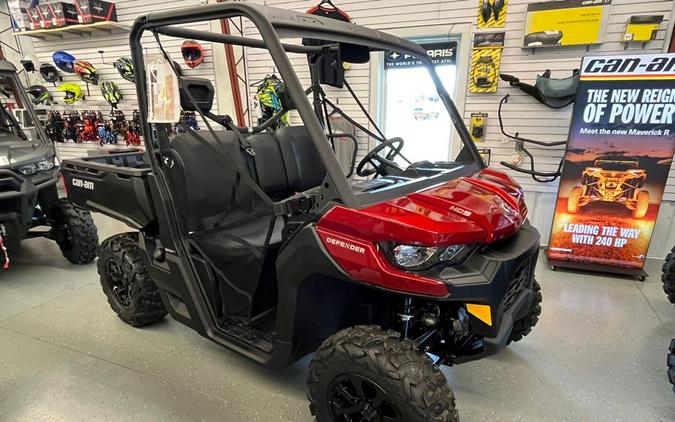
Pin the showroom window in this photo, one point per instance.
(411, 107)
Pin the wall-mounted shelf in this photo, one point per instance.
(86, 30)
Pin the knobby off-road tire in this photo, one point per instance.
(641, 204)
(78, 239)
(573, 199)
(668, 276)
(126, 282)
(368, 372)
(524, 326)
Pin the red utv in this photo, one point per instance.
(256, 239)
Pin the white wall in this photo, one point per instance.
(523, 114)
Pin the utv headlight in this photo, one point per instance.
(29, 170)
(409, 256)
(45, 165)
(424, 257)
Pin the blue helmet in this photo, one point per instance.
(64, 61)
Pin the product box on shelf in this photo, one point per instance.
(90, 11)
(34, 18)
(57, 14)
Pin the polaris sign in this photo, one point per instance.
(441, 53)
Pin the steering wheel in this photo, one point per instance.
(378, 162)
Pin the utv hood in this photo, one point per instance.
(22, 152)
(483, 208)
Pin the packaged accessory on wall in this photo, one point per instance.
(486, 155)
(642, 28)
(485, 60)
(492, 13)
(58, 14)
(566, 22)
(478, 124)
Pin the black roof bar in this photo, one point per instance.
(173, 31)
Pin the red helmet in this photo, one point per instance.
(193, 53)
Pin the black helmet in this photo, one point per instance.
(111, 93)
(49, 72)
(125, 67)
(40, 94)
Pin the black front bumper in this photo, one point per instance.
(18, 197)
(500, 275)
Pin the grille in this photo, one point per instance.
(522, 279)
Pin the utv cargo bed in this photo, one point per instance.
(117, 185)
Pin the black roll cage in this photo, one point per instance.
(271, 23)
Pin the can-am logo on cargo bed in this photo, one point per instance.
(84, 184)
(345, 245)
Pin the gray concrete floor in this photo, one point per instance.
(598, 354)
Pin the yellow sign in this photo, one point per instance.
(567, 22)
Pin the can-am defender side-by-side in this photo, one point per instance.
(256, 239)
(29, 202)
(612, 178)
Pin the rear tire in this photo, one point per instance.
(573, 199)
(524, 326)
(126, 282)
(77, 237)
(641, 204)
(365, 372)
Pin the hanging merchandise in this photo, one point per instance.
(492, 13)
(133, 133)
(49, 73)
(193, 53)
(71, 121)
(478, 123)
(119, 123)
(485, 60)
(40, 95)
(555, 93)
(55, 126)
(30, 63)
(621, 147)
(566, 22)
(86, 71)
(269, 97)
(125, 67)
(87, 127)
(64, 61)
(73, 92)
(331, 68)
(111, 93)
(486, 155)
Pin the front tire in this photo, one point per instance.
(668, 276)
(365, 373)
(126, 282)
(524, 326)
(74, 232)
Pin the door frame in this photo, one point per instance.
(460, 31)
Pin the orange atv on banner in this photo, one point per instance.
(617, 162)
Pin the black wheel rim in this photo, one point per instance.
(119, 285)
(355, 398)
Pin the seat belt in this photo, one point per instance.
(246, 146)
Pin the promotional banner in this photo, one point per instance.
(620, 150)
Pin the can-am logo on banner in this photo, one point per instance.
(441, 53)
(618, 159)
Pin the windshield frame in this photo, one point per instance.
(273, 22)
